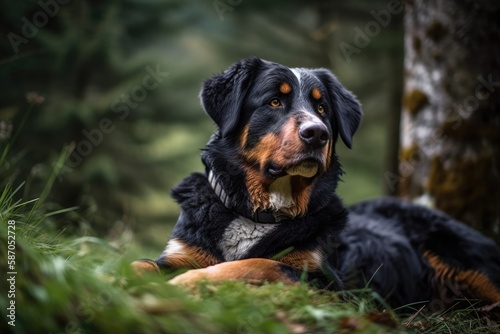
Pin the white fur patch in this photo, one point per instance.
(280, 193)
(310, 117)
(241, 235)
(174, 246)
(296, 71)
(318, 257)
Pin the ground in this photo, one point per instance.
(83, 284)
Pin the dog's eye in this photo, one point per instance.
(321, 109)
(275, 103)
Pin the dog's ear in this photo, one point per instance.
(347, 109)
(222, 95)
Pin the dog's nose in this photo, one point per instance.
(314, 134)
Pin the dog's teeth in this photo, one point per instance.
(305, 170)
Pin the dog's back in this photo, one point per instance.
(409, 254)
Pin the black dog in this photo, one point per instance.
(266, 210)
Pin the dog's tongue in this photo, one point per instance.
(305, 169)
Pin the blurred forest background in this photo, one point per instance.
(120, 80)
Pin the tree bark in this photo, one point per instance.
(450, 122)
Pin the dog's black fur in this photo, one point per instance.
(268, 192)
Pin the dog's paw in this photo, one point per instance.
(145, 266)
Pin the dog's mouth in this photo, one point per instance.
(307, 168)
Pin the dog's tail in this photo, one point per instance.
(462, 262)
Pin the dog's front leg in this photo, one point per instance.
(254, 271)
(178, 254)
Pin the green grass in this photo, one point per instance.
(83, 284)
(78, 283)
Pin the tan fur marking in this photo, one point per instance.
(474, 283)
(262, 152)
(328, 153)
(316, 94)
(189, 257)
(145, 266)
(243, 138)
(280, 149)
(285, 88)
(258, 189)
(302, 260)
(257, 185)
(255, 271)
(290, 142)
(301, 191)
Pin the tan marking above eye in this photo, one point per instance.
(316, 94)
(275, 103)
(285, 88)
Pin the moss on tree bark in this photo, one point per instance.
(450, 128)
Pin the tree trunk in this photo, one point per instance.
(450, 122)
(391, 163)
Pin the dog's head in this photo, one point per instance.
(282, 125)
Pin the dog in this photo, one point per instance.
(265, 209)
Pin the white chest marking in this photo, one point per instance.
(241, 235)
(281, 193)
